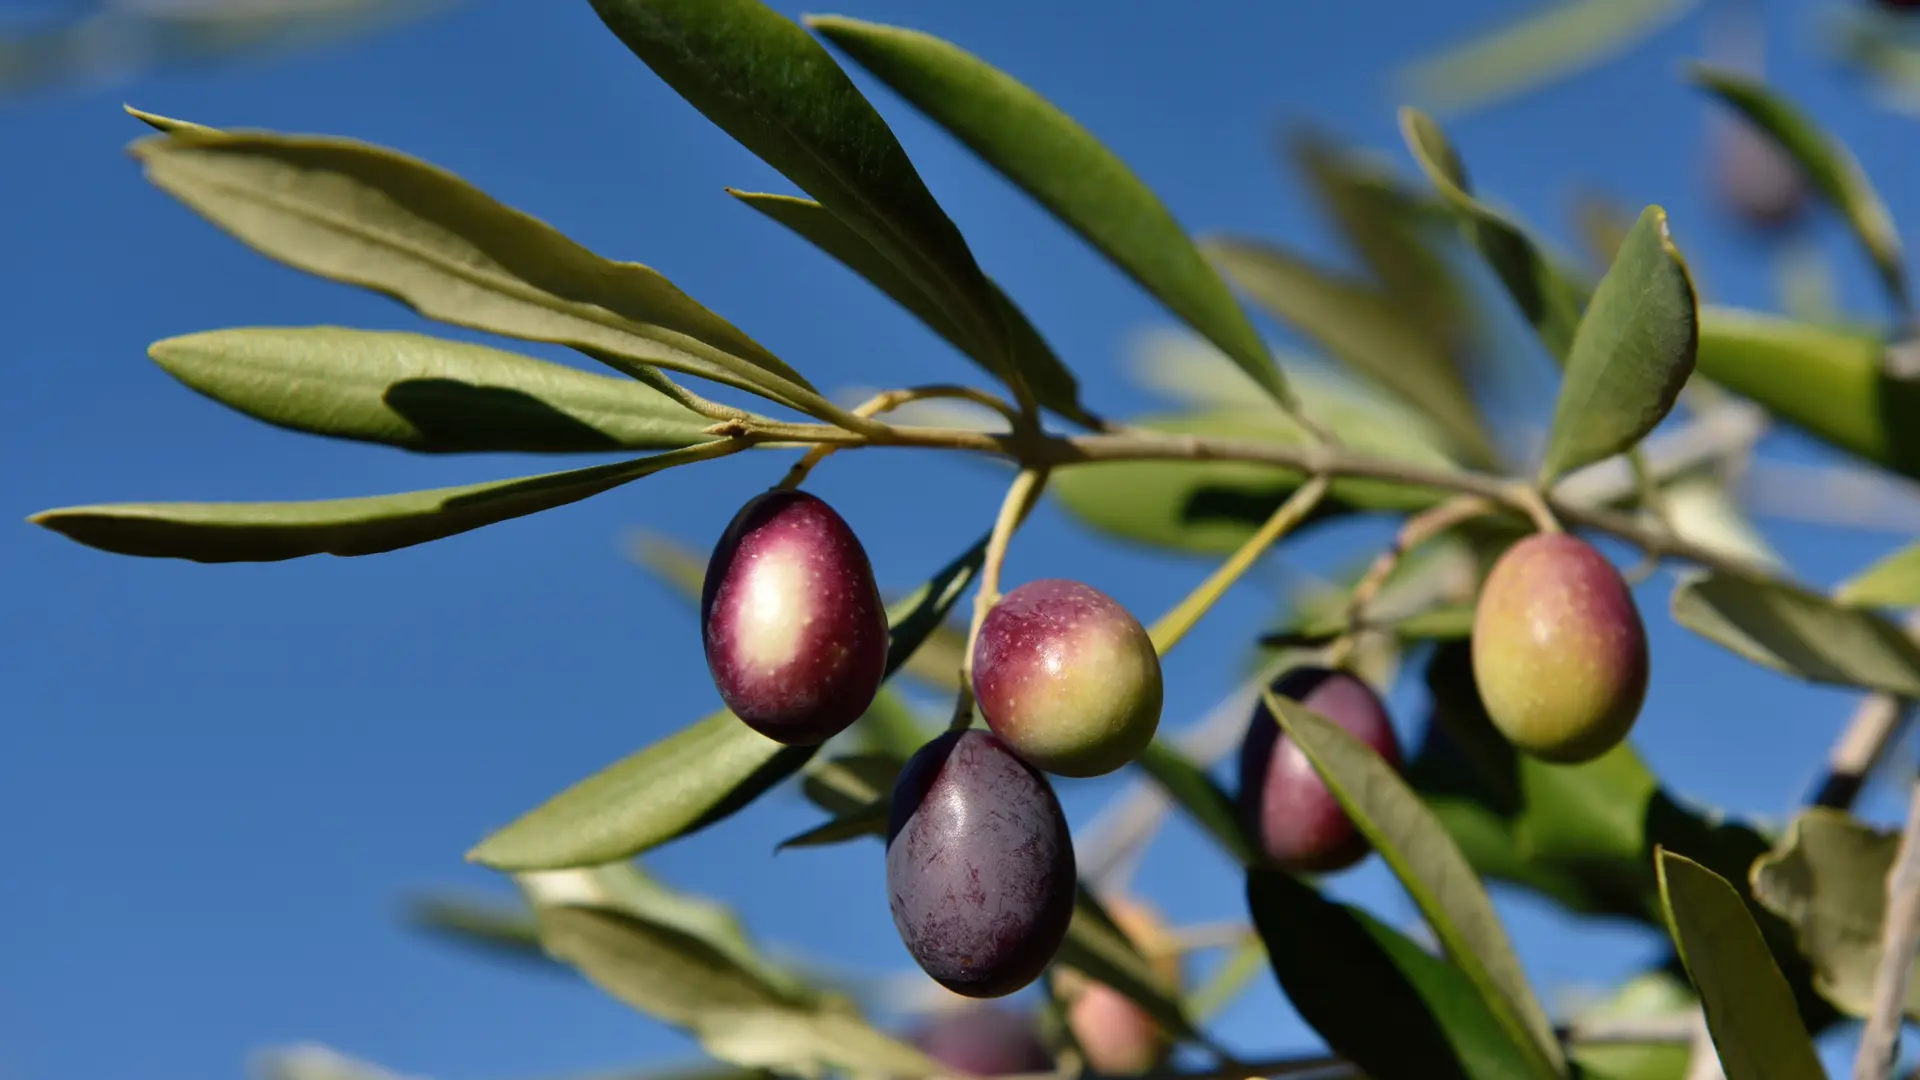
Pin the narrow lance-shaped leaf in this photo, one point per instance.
(1394, 1010)
(423, 393)
(495, 928)
(695, 777)
(1189, 786)
(1545, 295)
(773, 88)
(1892, 582)
(1633, 352)
(372, 217)
(1433, 871)
(1828, 165)
(269, 532)
(1750, 1008)
(1800, 632)
(1052, 384)
(1062, 165)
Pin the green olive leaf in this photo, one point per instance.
(1827, 381)
(1800, 632)
(491, 927)
(1632, 353)
(1828, 879)
(1189, 786)
(1545, 293)
(1052, 384)
(1750, 1008)
(848, 782)
(1394, 1010)
(423, 393)
(1433, 871)
(696, 776)
(868, 820)
(1829, 166)
(269, 532)
(372, 217)
(1066, 169)
(1894, 581)
(767, 83)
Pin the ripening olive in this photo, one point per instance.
(1117, 1036)
(1067, 677)
(1284, 805)
(983, 1040)
(796, 633)
(980, 870)
(1559, 651)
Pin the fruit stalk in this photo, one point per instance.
(1173, 626)
(1022, 496)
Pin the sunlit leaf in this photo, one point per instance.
(1800, 632)
(1750, 1007)
(1066, 168)
(1536, 49)
(372, 217)
(1377, 998)
(766, 82)
(696, 776)
(423, 393)
(1433, 871)
(1894, 581)
(1828, 165)
(498, 929)
(1632, 353)
(269, 532)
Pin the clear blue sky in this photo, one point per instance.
(217, 782)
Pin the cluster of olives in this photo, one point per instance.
(980, 866)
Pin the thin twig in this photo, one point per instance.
(887, 401)
(1414, 532)
(1022, 495)
(1899, 940)
(1173, 626)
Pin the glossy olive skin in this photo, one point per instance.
(796, 632)
(1559, 651)
(980, 868)
(1284, 805)
(1068, 678)
(983, 1040)
(1117, 1036)
(1756, 180)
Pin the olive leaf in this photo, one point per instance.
(1750, 1008)
(376, 218)
(696, 776)
(1827, 877)
(1800, 632)
(269, 532)
(423, 393)
(1894, 581)
(1633, 351)
(1394, 1010)
(491, 927)
(1189, 786)
(1433, 871)
(767, 83)
(1063, 166)
(1829, 167)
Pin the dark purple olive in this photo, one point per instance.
(984, 1040)
(795, 628)
(980, 871)
(1067, 677)
(1284, 804)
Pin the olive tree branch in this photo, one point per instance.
(1899, 940)
(887, 401)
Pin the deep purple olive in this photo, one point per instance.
(1559, 651)
(980, 871)
(796, 632)
(1285, 806)
(984, 1040)
(1067, 677)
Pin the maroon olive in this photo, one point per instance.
(1284, 804)
(796, 632)
(1559, 651)
(984, 1040)
(1067, 677)
(980, 870)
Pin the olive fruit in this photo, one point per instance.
(1559, 651)
(980, 870)
(983, 1040)
(1286, 808)
(796, 633)
(1067, 677)
(1117, 1036)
